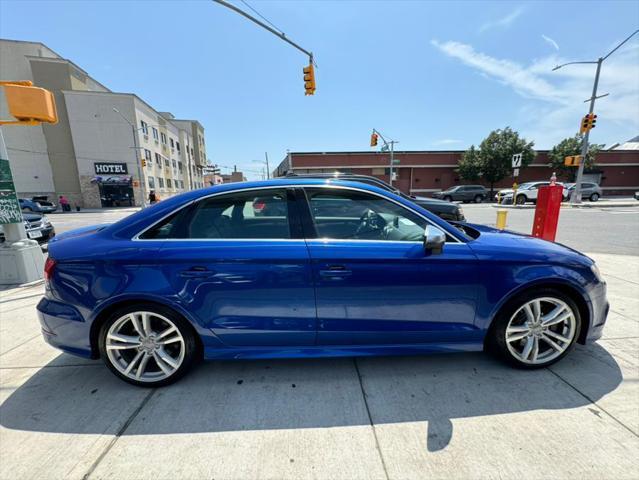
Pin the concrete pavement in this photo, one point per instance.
(446, 416)
(453, 416)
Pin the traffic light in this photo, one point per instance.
(572, 161)
(588, 122)
(309, 79)
(373, 139)
(28, 104)
(144, 162)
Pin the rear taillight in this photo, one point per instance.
(49, 267)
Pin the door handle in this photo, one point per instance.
(196, 272)
(335, 272)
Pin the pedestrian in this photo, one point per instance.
(152, 198)
(64, 203)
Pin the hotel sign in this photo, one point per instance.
(110, 168)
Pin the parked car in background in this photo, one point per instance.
(201, 276)
(447, 210)
(526, 192)
(463, 193)
(37, 205)
(38, 227)
(636, 195)
(589, 191)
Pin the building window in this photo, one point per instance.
(163, 137)
(158, 159)
(161, 182)
(192, 154)
(177, 146)
(166, 162)
(145, 127)
(151, 182)
(168, 183)
(182, 184)
(155, 133)
(172, 143)
(174, 163)
(180, 166)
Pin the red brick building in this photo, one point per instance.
(424, 172)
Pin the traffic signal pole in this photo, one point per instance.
(576, 194)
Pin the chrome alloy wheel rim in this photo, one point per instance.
(540, 330)
(145, 346)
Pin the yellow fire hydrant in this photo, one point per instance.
(501, 218)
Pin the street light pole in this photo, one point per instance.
(134, 131)
(576, 194)
(268, 170)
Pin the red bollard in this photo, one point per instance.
(547, 212)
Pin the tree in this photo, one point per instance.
(568, 147)
(493, 160)
(469, 167)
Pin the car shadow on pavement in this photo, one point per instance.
(311, 393)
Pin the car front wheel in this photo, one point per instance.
(478, 199)
(521, 199)
(594, 197)
(537, 329)
(147, 345)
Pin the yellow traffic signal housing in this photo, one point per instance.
(373, 139)
(28, 104)
(588, 122)
(144, 162)
(572, 161)
(309, 79)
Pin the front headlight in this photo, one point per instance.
(461, 211)
(595, 271)
(45, 221)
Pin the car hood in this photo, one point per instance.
(431, 201)
(508, 245)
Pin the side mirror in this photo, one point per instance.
(434, 240)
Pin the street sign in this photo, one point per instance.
(10, 211)
(517, 160)
(396, 161)
(516, 172)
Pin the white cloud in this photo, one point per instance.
(555, 99)
(447, 141)
(550, 41)
(503, 22)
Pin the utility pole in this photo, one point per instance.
(268, 170)
(388, 146)
(137, 151)
(576, 195)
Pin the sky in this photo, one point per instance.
(430, 75)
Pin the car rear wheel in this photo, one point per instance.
(147, 345)
(478, 199)
(537, 329)
(448, 198)
(594, 197)
(27, 209)
(521, 199)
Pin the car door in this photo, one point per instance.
(238, 262)
(374, 282)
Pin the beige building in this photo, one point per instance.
(104, 142)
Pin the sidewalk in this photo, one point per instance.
(98, 210)
(438, 416)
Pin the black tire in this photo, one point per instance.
(594, 197)
(448, 198)
(191, 346)
(478, 199)
(496, 336)
(27, 209)
(521, 199)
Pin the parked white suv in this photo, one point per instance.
(526, 192)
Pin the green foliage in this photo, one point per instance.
(568, 147)
(493, 160)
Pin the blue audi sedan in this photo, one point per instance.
(309, 268)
